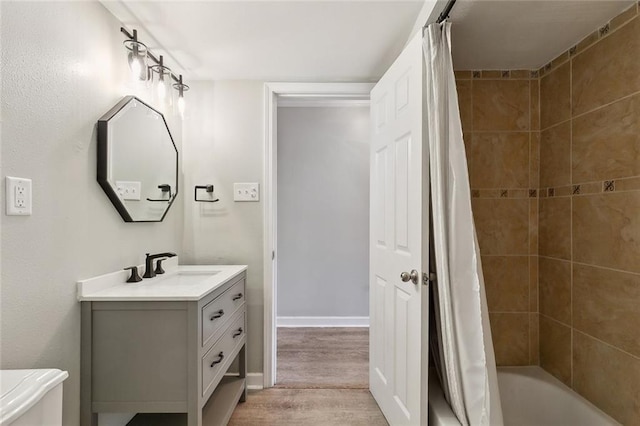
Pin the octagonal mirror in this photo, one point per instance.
(137, 161)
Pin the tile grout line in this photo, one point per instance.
(571, 206)
(606, 268)
(588, 335)
(622, 98)
(590, 265)
(554, 258)
(555, 320)
(539, 165)
(504, 255)
(608, 344)
(572, 117)
(530, 227)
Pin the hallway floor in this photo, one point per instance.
(323, 380)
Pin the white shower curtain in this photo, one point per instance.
(465, 351)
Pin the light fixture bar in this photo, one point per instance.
(149, 54)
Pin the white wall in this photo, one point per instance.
(63, 67)
(323, 211)
(223, 144)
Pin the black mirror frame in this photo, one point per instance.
(103, 149)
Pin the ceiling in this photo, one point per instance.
(276, 40)
(344, 40)
(523, 34)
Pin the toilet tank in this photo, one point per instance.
(31, 397)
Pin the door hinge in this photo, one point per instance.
(273, 254)
(426, 278)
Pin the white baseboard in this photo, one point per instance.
(322, 321)
(255, 381)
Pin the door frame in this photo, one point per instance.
(272, 91)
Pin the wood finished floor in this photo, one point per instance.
(323, 358)
(323, 380)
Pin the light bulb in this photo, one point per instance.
(136, 69)
(181, 106)
(162, 90)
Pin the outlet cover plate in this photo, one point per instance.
(18, 196)
(129, 190)
(246, 192)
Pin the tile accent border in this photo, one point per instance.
(597, 187)
(495, 74)
(598, 34)
(504, 193)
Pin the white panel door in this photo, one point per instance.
(399, 241)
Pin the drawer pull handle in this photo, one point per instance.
(237, 333)
(217, 314)
(219, 360)
(237, 296)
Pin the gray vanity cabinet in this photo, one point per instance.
(165, 357)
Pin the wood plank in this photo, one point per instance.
(323, 358)
(309, 407)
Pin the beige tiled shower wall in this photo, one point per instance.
(554, 164)
(589, 246)
(500, 120)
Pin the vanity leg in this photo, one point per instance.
(194, 377)
(87, 418)
(243, 370)
(194, 418)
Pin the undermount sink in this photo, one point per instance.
(183, 277)
(204, 273)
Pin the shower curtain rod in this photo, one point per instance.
(445, 12)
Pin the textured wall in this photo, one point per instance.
(63, 66)
(500, 123)
(323, 198)
(590, 218)
(224, 140)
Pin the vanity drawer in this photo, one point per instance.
(216, 361)
(217, 312)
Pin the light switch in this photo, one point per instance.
(18, 196)
(129, 190)
(246, 192)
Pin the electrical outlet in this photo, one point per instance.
(18, 196)
(129, 190)
(246, 192)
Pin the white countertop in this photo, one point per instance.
(179, 283)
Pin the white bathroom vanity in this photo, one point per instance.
(163, 347)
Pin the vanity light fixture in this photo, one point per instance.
(164, 76)
(138, 55)
(181, 88)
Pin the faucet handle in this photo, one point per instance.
(159, 270)
(135, 277)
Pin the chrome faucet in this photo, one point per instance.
(148, 263)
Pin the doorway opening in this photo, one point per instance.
(322, 244)
(316, 276)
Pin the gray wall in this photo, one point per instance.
(63, 66)
(223, 144)
(323, 211)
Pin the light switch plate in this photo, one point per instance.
(129, 190)
(18, 196)
(246, 192)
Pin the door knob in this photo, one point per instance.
(412, 276)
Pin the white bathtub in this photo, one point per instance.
(530, 397)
